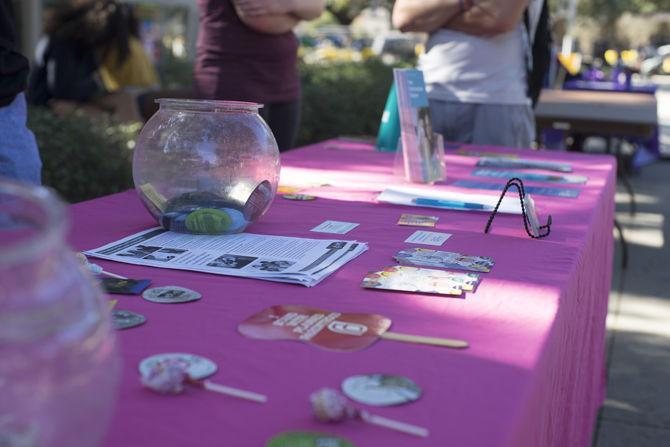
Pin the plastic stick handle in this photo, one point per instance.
(242, 394)
(113, 275)
(394, 425)
(434, 341)
(449, 204)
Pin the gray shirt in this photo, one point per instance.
(471, 69)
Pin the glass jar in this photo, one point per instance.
(59, 365)
(206, 167)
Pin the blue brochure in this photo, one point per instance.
(422, 149)
(536, 190)
(553, 178)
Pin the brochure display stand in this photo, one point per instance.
(422, 150)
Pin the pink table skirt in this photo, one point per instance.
(533, 375)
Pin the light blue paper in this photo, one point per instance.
(553, 178)
(536, 190)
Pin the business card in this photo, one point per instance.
(428, 238)
(334, 227)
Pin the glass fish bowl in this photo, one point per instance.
(59, 361)
(206, 167)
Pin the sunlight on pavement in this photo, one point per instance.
(642, 314)
(644, 229)
(641, 199)
(663, 111)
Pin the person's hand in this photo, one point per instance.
(62, 108)
(251, 8)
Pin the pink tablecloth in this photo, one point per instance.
(533, 375)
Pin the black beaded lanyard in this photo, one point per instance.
(543, 231)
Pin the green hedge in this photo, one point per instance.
(86, 157)
(344, 98)
(83, 157)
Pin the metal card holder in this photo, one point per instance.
(543, 230)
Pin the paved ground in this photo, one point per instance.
(637, 409)
(663, 98)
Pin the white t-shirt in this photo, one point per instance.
(466, 68)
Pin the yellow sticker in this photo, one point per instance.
(298, 196)
(284, 189)
(153, 196)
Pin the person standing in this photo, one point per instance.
(68, 72)
(475, 67)
(247, 51)
(19, 156)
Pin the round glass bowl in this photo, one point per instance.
(206, 167)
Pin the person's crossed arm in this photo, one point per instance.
(477, 17)
(277, 16)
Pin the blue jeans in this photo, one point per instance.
(19, 157)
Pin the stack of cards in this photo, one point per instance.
(124, 286)
(425, 257)
(417, 220)
(413, 279)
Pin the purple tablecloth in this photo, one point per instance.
(608, 86)
(533, 375)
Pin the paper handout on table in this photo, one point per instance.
(428, 238)
(553, 178)
(535, 190)
(450, 200)
(334, 227)
(271, 258)
(522, 163)
(488, 154)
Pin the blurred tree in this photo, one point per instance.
(661, 36)
(345, 11)
(607, 12)
(609, 8)
(83, 156)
